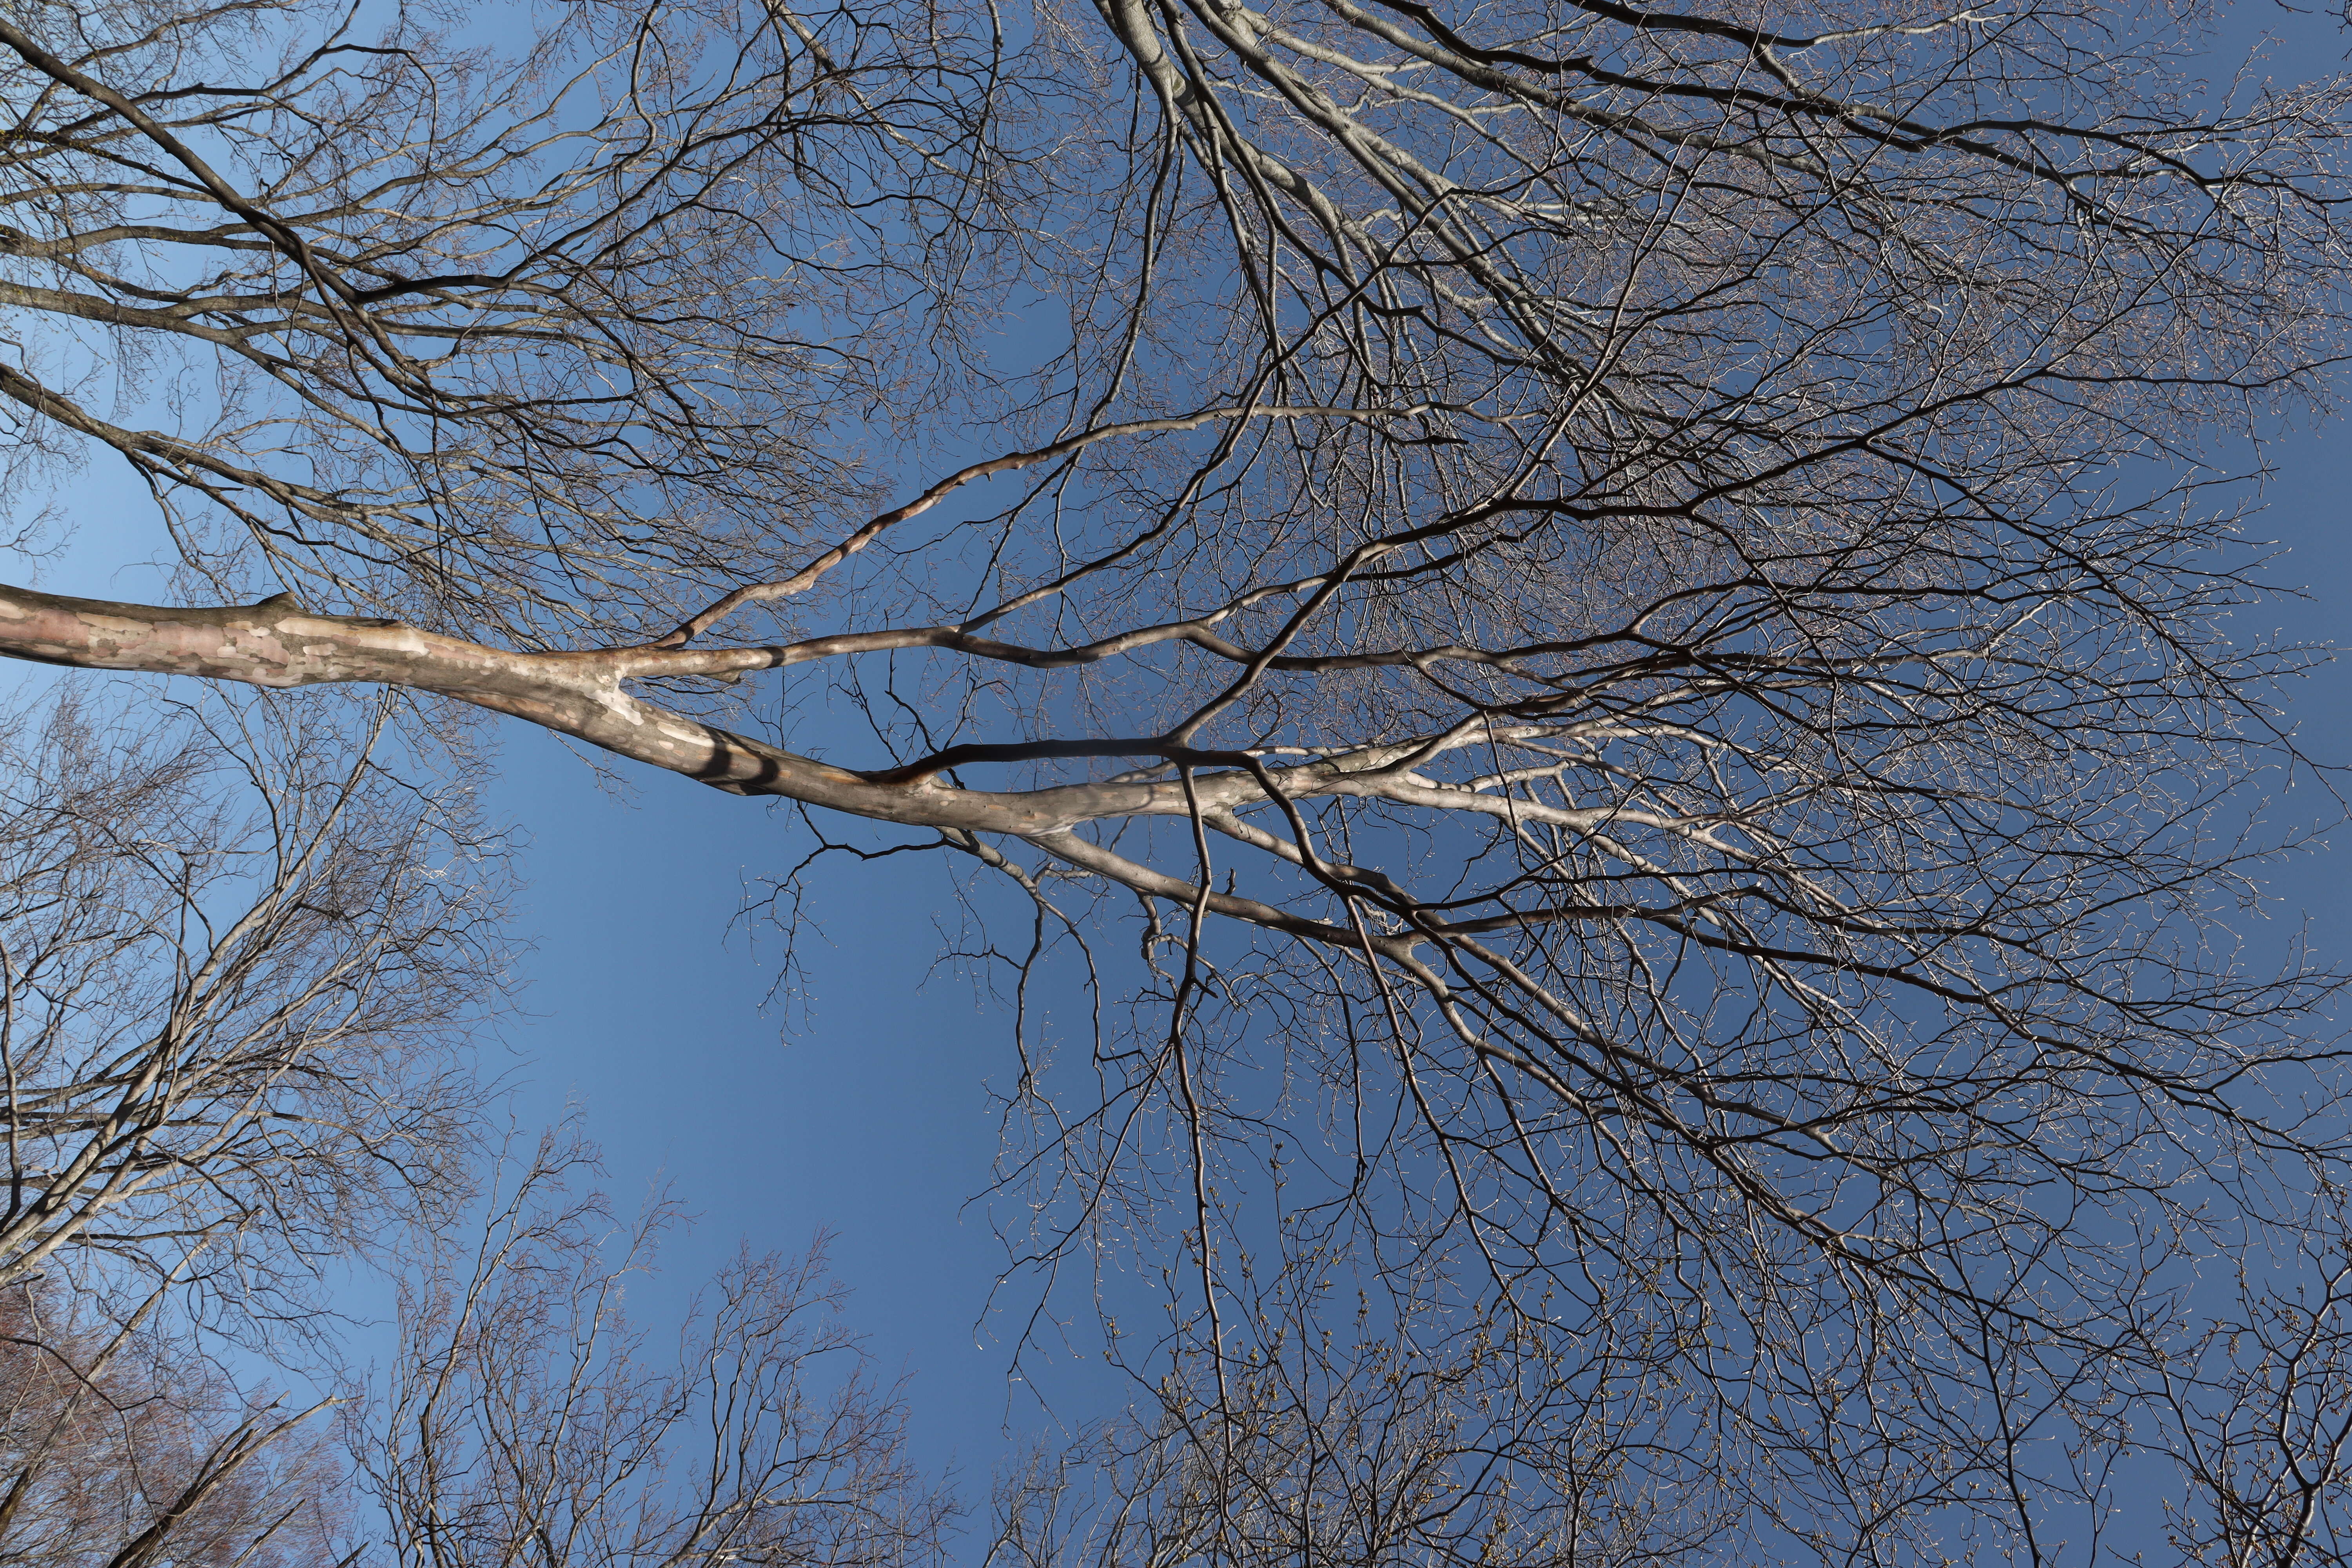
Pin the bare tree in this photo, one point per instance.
(123, 1449)
(444, 326)
(527, 1421)
(1324, 1442)
(240, 965)
(521, 1419)
(1636, 598)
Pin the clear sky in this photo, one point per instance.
(645, 1012)
(871, 1122)
(643, 1007)
(868, 1121)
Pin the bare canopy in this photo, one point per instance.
(1627, 602)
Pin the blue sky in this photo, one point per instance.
(871, 1120)
(868, 1121)
(646, 1012)
(643, 1006)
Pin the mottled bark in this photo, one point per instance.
(579, 693)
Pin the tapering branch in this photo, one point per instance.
(867, 531)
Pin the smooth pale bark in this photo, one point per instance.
(277, 643)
